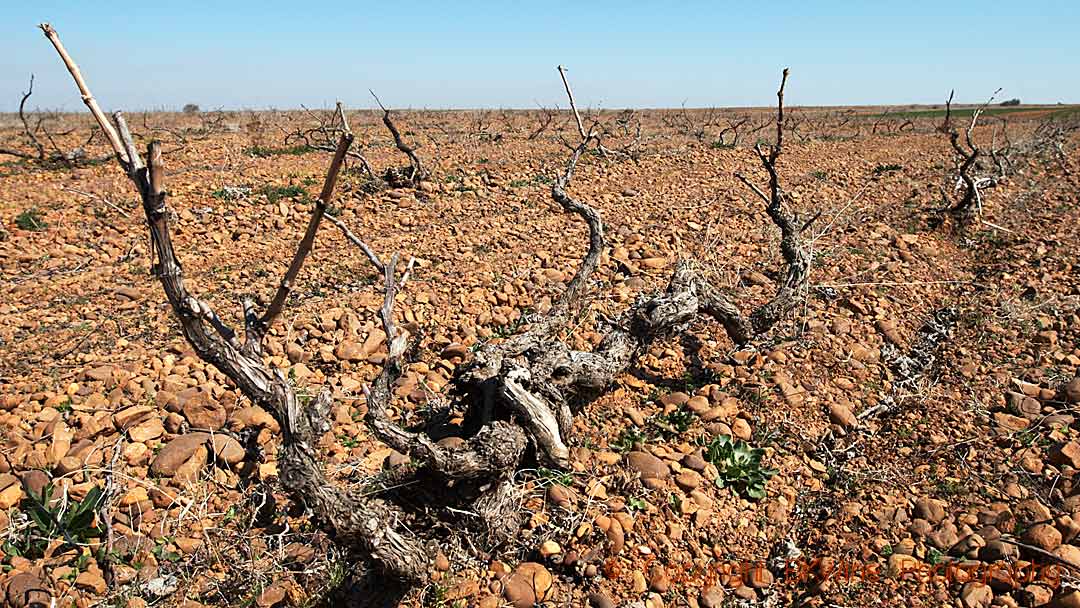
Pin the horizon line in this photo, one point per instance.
(557, 108)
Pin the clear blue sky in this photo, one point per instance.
(257, 54)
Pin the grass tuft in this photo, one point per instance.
(31, 219)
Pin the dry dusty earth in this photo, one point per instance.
(918, 407)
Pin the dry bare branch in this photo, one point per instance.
(352, 518)
(966, 155)
(416, 172)
(40, 155)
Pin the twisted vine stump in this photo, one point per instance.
(968, 204)
(520, 394)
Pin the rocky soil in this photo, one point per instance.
(918, 410)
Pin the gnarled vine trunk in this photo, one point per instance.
(520, 392)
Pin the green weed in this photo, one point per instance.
(739, 466)
(276, 193)
(889, 168)
(74, 521)
(31, 219)
(267, 152)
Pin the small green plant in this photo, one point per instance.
(627, 439)
(722, 145)
(675, 422)
(549, 477)
(74, 521)
(31, 219)
(692, 380)
(739, 466)
(934, 557)
(951, 487)
(64, 407)
(266, 152)
(880, 169)
(162, 552)
(1031, 437)
(231, 193)
(635, 504)
(348, 442)
(435, 596)
(819, 175)
(514, 326)
(276, 193)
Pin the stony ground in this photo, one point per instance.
(917, 409)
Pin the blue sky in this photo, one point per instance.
(248, 54)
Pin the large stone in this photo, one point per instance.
(1010, 423)
(929, 509)
(841, 414)
(146, 430)
(1043, 536)
(944, 537)
(712, 597)
(1068, 600)
(527, 585)
(178, 451)
(1072, 391)
(454, 350)
(227, 449)
(201, 411)
(741, 429)
(254, 416)
(1030, 512)
(1066, 453)
(649, 466)
(1037, 595)
(760, 577)
(1070, 554)
(129, 417)
(294, 352)
(92, 580)
(698, 404)
(902, 565)
(688, 480)
(272, 596)
(658, 579)
(976, 595)
(11, 496)
(616, 536)
(674, 400)
(695, 461)
(999, 550)
(190, 470)
(349, 351)
(102, 373)
(373, 343)
(27, 590)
